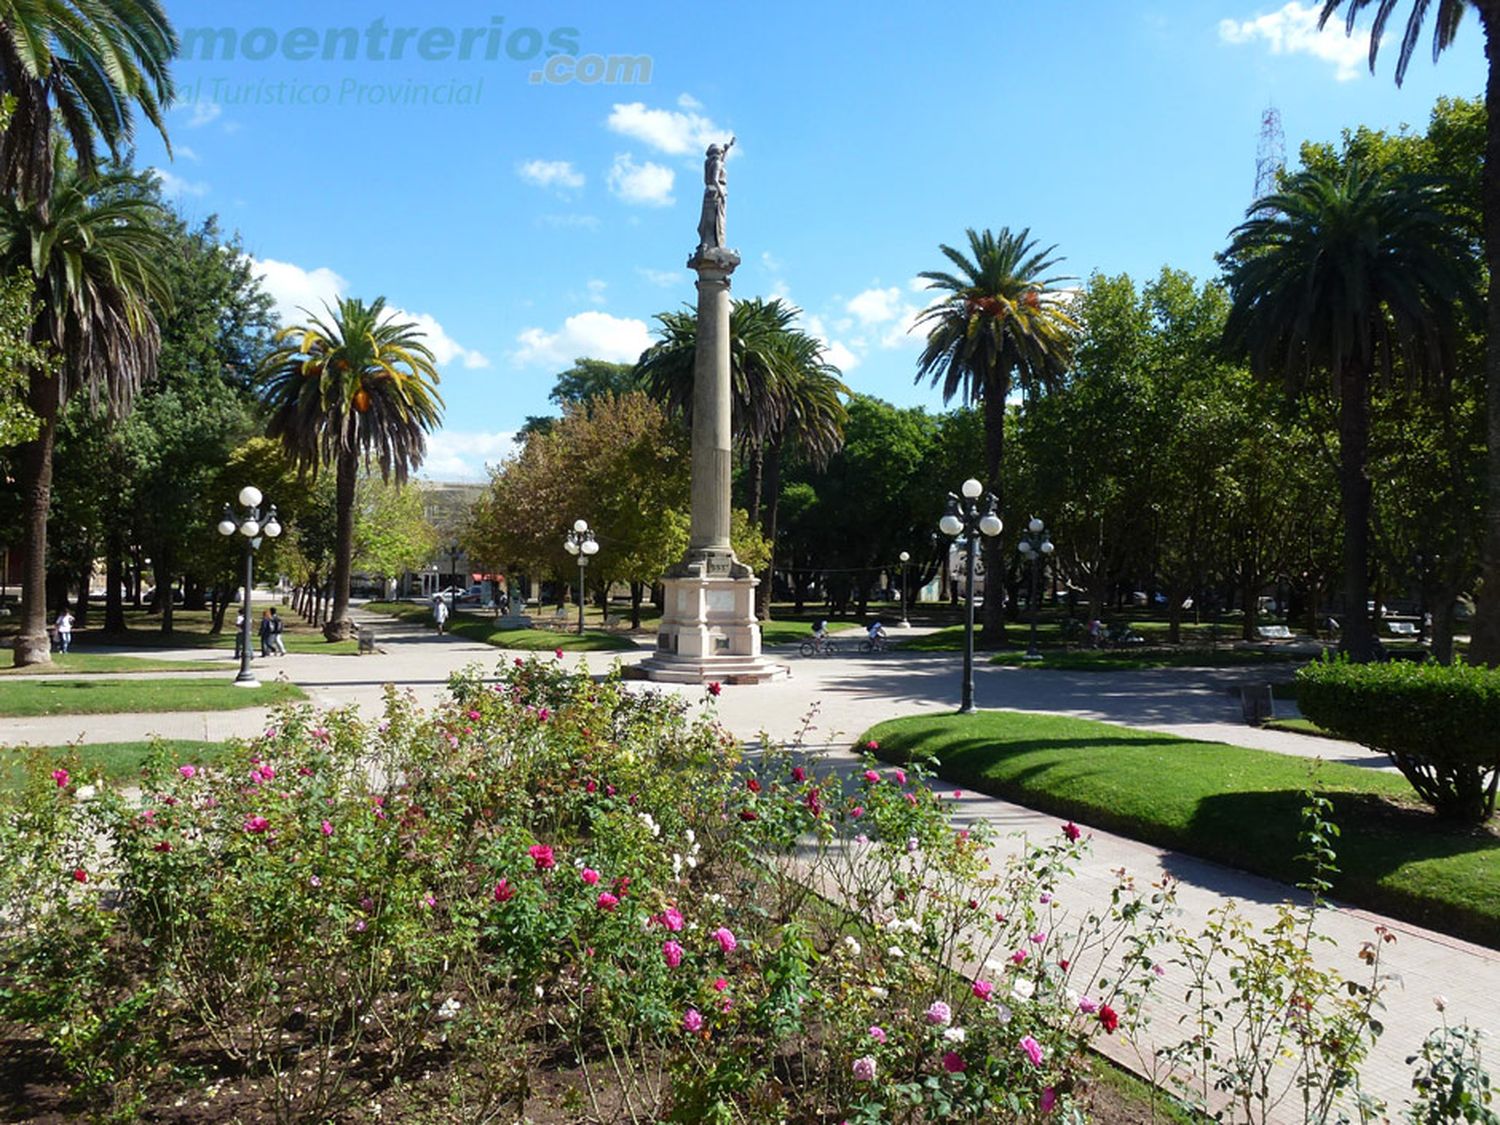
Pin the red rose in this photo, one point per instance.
(1108, 1017)
(753, 785)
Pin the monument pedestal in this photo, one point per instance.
(708, 630)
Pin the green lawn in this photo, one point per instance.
(119, 762)
(481, 627)
(190, 629)
(1076, 659)
(102, 697)
(794, 630)
(1225, 803)
(93, 663)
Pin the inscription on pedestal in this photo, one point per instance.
(721, 601)
(717, 566)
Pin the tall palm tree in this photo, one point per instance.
(811, 428)
(1001, 320)
(757, 331)
(1342, 277)
(1485, 646)
(95, 250)
(357, 387)
(82, 66)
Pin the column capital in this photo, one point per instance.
(712, 260)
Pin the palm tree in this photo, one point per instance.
(811, 428)
(95, 251)
(1002, 319)
(1344, 276)
(757, 331)
(80, 65)
(359, 387)
(1485, 646)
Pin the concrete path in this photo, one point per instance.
(844, 695)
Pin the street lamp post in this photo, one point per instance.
(581, 543)
(454, 550)
(905, 557)
(1035, 548)
(968, 518)
(249, 524)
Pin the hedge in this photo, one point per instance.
(1440, 724)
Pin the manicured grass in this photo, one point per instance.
(1225, 803)
(190, 629)
(93, 663)
(481, 627)
(1297, 726)
(792, 631)
(119, 762)
(1075, 659)
(102, 697)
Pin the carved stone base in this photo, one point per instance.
(708, 630)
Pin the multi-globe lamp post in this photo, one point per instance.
(905, 558)
(250, 524)
(582, 544)
(968, 517)
(1035, 548)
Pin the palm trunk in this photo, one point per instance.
(1485, 637)
(35, 472)
(993, 630)
(114, 577)
(339, 627)
(754, 473)
(1354, 489)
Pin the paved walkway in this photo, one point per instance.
(847, 694)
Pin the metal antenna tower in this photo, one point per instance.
(1270, 153)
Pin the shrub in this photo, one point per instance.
(1440, 724)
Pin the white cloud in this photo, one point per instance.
(876, 306)
(172, 184)
(294, 289)
(186, 153)
(445, 349)
(462, 455)
(1293, 30)
(646, 183)
(558, 175)
(667, 130)
(665, 278)
(200, 113)
(841, 357)
(594, 334)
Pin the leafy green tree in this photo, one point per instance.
(18, 358)
(96, 256)
(391, 532)
(1341, 278)
(359, 387)
(589, 379)
(1447, 16)
(1001, 319)
(78, 67)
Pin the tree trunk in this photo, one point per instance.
(1354, 489)
(754, 473)
(114, 577)
(339, 626)
(81, 618)
(1484, 645)
(993, 630)
(34, 465)
(637, 593)
(772, 489)
(165, 575)
(1174, 616)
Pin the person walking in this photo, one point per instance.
(64, 629)
(239, 633)
(440, 612)
(265, 633)
(277, 644)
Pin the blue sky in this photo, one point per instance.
(524, 218)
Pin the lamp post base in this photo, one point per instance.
(243, 680)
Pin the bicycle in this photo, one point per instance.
(815, 647)
(868, 646)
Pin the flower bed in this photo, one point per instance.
(551, 897)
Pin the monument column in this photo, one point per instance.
(708, 630)
(712, 405)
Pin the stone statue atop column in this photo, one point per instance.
(715, 195)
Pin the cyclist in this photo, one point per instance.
(876, 630)
(819, 634)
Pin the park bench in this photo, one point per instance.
(615, 623)
(1401, 628)
(1274, 633)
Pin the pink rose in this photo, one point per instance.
(542, 856)
(607, 901)
(1087, 1006)
(672, 952)
(900, 777)
(557, 652)
(187, 771)
(1049, 1099)
(62, 777)
(871, 776)
(939, 1013)
(504, 892)
(983, 989)
(872, 745)
(692, 1020)
(1018, 957)
(256, 824)
(1033, 1050)
(720, 984)
(326, 828)
(864, 1069)
(877, 1033)
(725, 938)
(589, 876)
(954, 1063)
(1071, 831)
(672, 919)
(799, 774)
